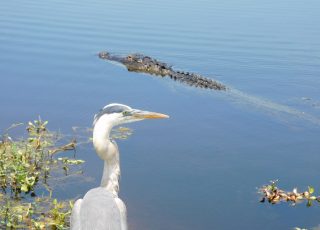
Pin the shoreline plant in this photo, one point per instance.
(28, 167)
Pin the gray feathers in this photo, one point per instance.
(109, 109)
(97, 210)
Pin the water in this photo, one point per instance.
(200, 168)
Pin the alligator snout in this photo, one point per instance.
(104, 55)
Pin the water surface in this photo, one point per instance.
(200, 168)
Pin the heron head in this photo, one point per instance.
(120, 114)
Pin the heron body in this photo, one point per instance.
(97, 210)
(101, 208)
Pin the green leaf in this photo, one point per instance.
(24, 188)
(309, 204)
(311, 189)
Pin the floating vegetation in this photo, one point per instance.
(121, 133)
(27, 168)
(85, 133)
(274, 195)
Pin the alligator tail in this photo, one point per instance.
(196, 80)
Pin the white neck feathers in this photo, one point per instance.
(107, 150)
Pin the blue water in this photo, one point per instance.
(200, 168)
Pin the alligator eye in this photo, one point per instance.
(126, 113)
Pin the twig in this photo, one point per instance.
(67, 147)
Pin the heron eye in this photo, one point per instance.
(126, 113)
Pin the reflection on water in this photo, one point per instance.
(200, 168)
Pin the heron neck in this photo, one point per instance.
(110, 176)
(107, 150)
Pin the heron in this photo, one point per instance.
(101, 208)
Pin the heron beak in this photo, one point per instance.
(149, 115)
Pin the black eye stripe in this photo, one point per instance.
(117, 108)
(114, 109)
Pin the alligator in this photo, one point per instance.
(145, 64)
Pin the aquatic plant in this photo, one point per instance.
(274, 195)
(40, 213)
(27, 167)
(84, 133)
